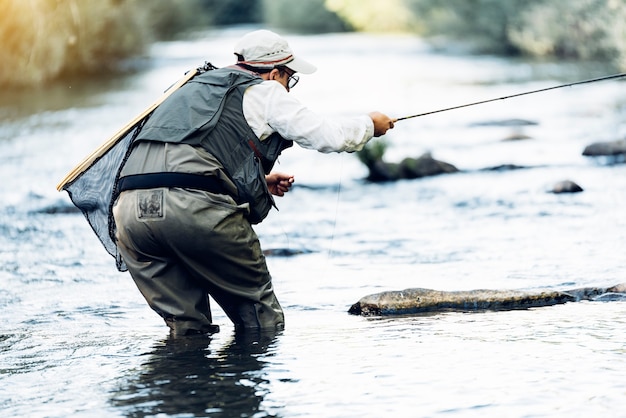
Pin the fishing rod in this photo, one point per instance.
(593, 80)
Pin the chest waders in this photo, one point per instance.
(181, 245)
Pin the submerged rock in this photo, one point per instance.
(409, 168)
(426, 165)
(504, 167)
(506, 122)
(516, 136)
(284, 252)
(58, 209)
(612, 148)
(566, 186)
(418, 300)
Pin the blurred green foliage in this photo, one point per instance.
(375, 15)
(373, 151)
(305, 16)
(578, 29)
(41, 40)
(572, 29)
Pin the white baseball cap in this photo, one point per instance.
(266, 49)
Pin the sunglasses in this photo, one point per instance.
(292, 79)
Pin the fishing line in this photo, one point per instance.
(337, 202)
(593, 80)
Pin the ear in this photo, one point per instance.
(274, 74)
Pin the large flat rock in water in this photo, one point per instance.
(418, 300)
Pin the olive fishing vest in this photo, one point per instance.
(208, 112)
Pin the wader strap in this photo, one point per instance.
(183, 180)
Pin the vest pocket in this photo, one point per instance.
(252, 188)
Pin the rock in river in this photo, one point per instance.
(566, 186)
(611, 148)
(408, 168)
(415, 301)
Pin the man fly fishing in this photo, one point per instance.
(198, 176)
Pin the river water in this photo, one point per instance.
(77, 339)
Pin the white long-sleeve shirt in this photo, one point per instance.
(269, 108)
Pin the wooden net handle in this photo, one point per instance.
(102, 149)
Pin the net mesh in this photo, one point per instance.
(93, 191)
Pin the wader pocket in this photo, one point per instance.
(252, 189)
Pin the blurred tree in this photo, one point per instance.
(306, 16)
(374, 15)
(579, 29)
(586, 29)
(167, 19)
(229, 12)
(484, 24)
(45, 39)
(41, 40)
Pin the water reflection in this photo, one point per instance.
(184, 376)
